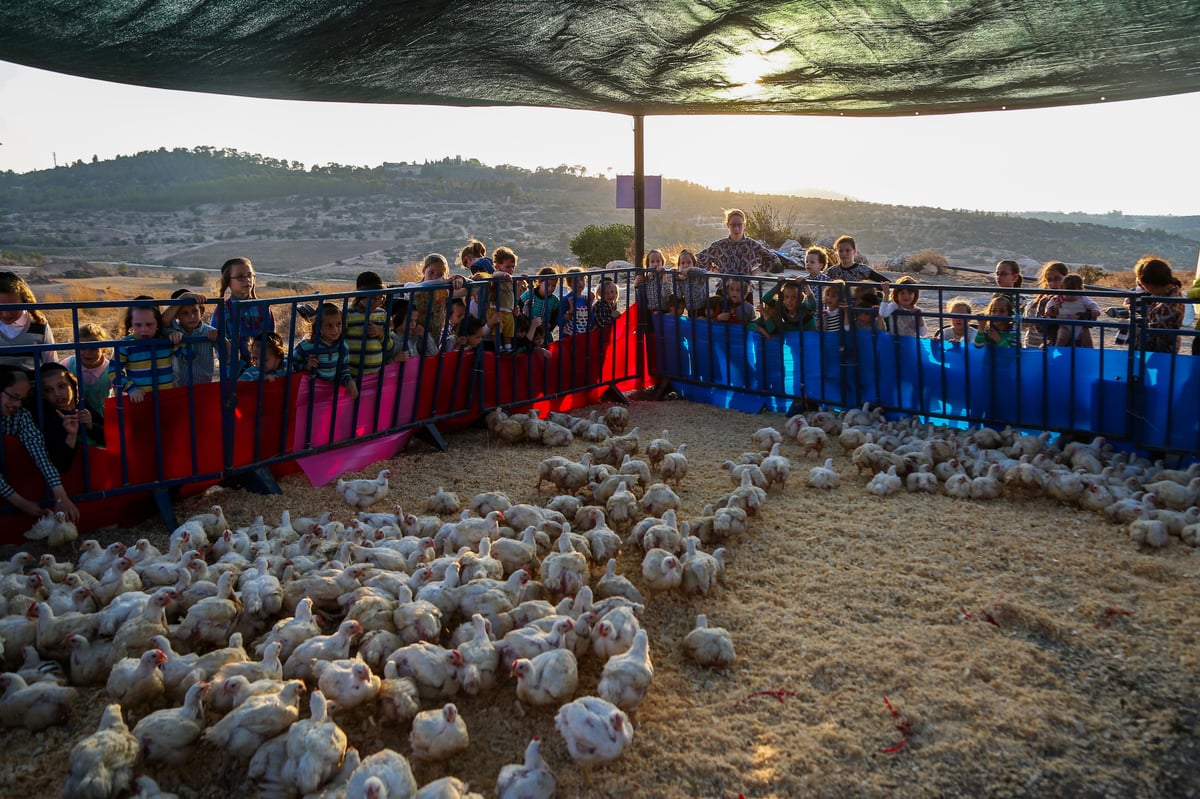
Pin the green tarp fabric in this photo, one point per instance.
(852, 57)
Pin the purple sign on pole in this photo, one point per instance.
(653, 191)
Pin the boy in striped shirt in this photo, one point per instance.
(143, 360)
(367, 338)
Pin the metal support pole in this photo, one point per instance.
(639, 190)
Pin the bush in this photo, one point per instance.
(196, 278)
(596, 245)
(918, 261)
(1091, 274)
(765, 223)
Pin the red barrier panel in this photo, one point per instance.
(23, 475)
(262, 425)
(177, 413)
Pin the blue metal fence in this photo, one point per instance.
(1146, 399)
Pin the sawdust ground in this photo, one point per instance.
(1028, 648)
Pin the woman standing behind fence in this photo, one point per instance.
(736, 254)
(237, 283)
(1041, 334)
(15, 388)
(20, 329)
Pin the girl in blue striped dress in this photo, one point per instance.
(143, 359)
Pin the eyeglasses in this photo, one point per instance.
(243, 278)
(12, 396)
(736, 224)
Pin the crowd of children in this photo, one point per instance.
(162, 347)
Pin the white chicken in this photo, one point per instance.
(443, 502)
(212, 619)
(439, 734)
(885, 484)
(89, 661)
(661, 570)
(348, 682)
(812, 440)
(301, 664)
(922, 481)
(764, 437)
(565, 571)
(291, 632)
(137, 683)
(824, 476)
(736, 470)
(659, 498)
(399, 699)
(701, 571)
(657, 449)
(674, 466)
(1146, 529)
(167, 736)
(709, 646)
(34, 707)
(361, 494)
(384, 774)
(259, 718)
(480, 658)
(532, 779)
(54, 529)
(595, 730)
(627, 677)
(101, 765)
(547, 679)
(434, 669)
(262, 594)
(615, 632)
(776, 468)
(613, 584)
(315, 747)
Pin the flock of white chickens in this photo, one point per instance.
(222, 639)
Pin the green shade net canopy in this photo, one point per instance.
(852, 57)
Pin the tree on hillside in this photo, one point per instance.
(596, 245)
(766, 223)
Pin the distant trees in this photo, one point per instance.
(596, 245)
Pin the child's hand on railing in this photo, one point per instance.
(174, 336)
(136, 395)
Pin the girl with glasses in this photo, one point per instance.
(15, 420)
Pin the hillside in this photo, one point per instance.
(194, 208)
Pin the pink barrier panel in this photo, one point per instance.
(328, 466)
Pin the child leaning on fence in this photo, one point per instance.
(270, 359)
(996, 327)
(655, 284)
(237, 283)
(575, 303)
(604, 309)
(691, 281)
(1162, 319)
(1073, 306)
(959, 330)
(429, 302)
(195, 361)
(900, 312)
(367, 338)
(90, 368)
(144, 359)
(324, 354)
(541, 301)
(20, 329)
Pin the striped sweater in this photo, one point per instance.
(332, 359)
(143, 363)
(366, 354)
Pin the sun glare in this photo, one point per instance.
(746, 70)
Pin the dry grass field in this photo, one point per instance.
(1028, 648)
